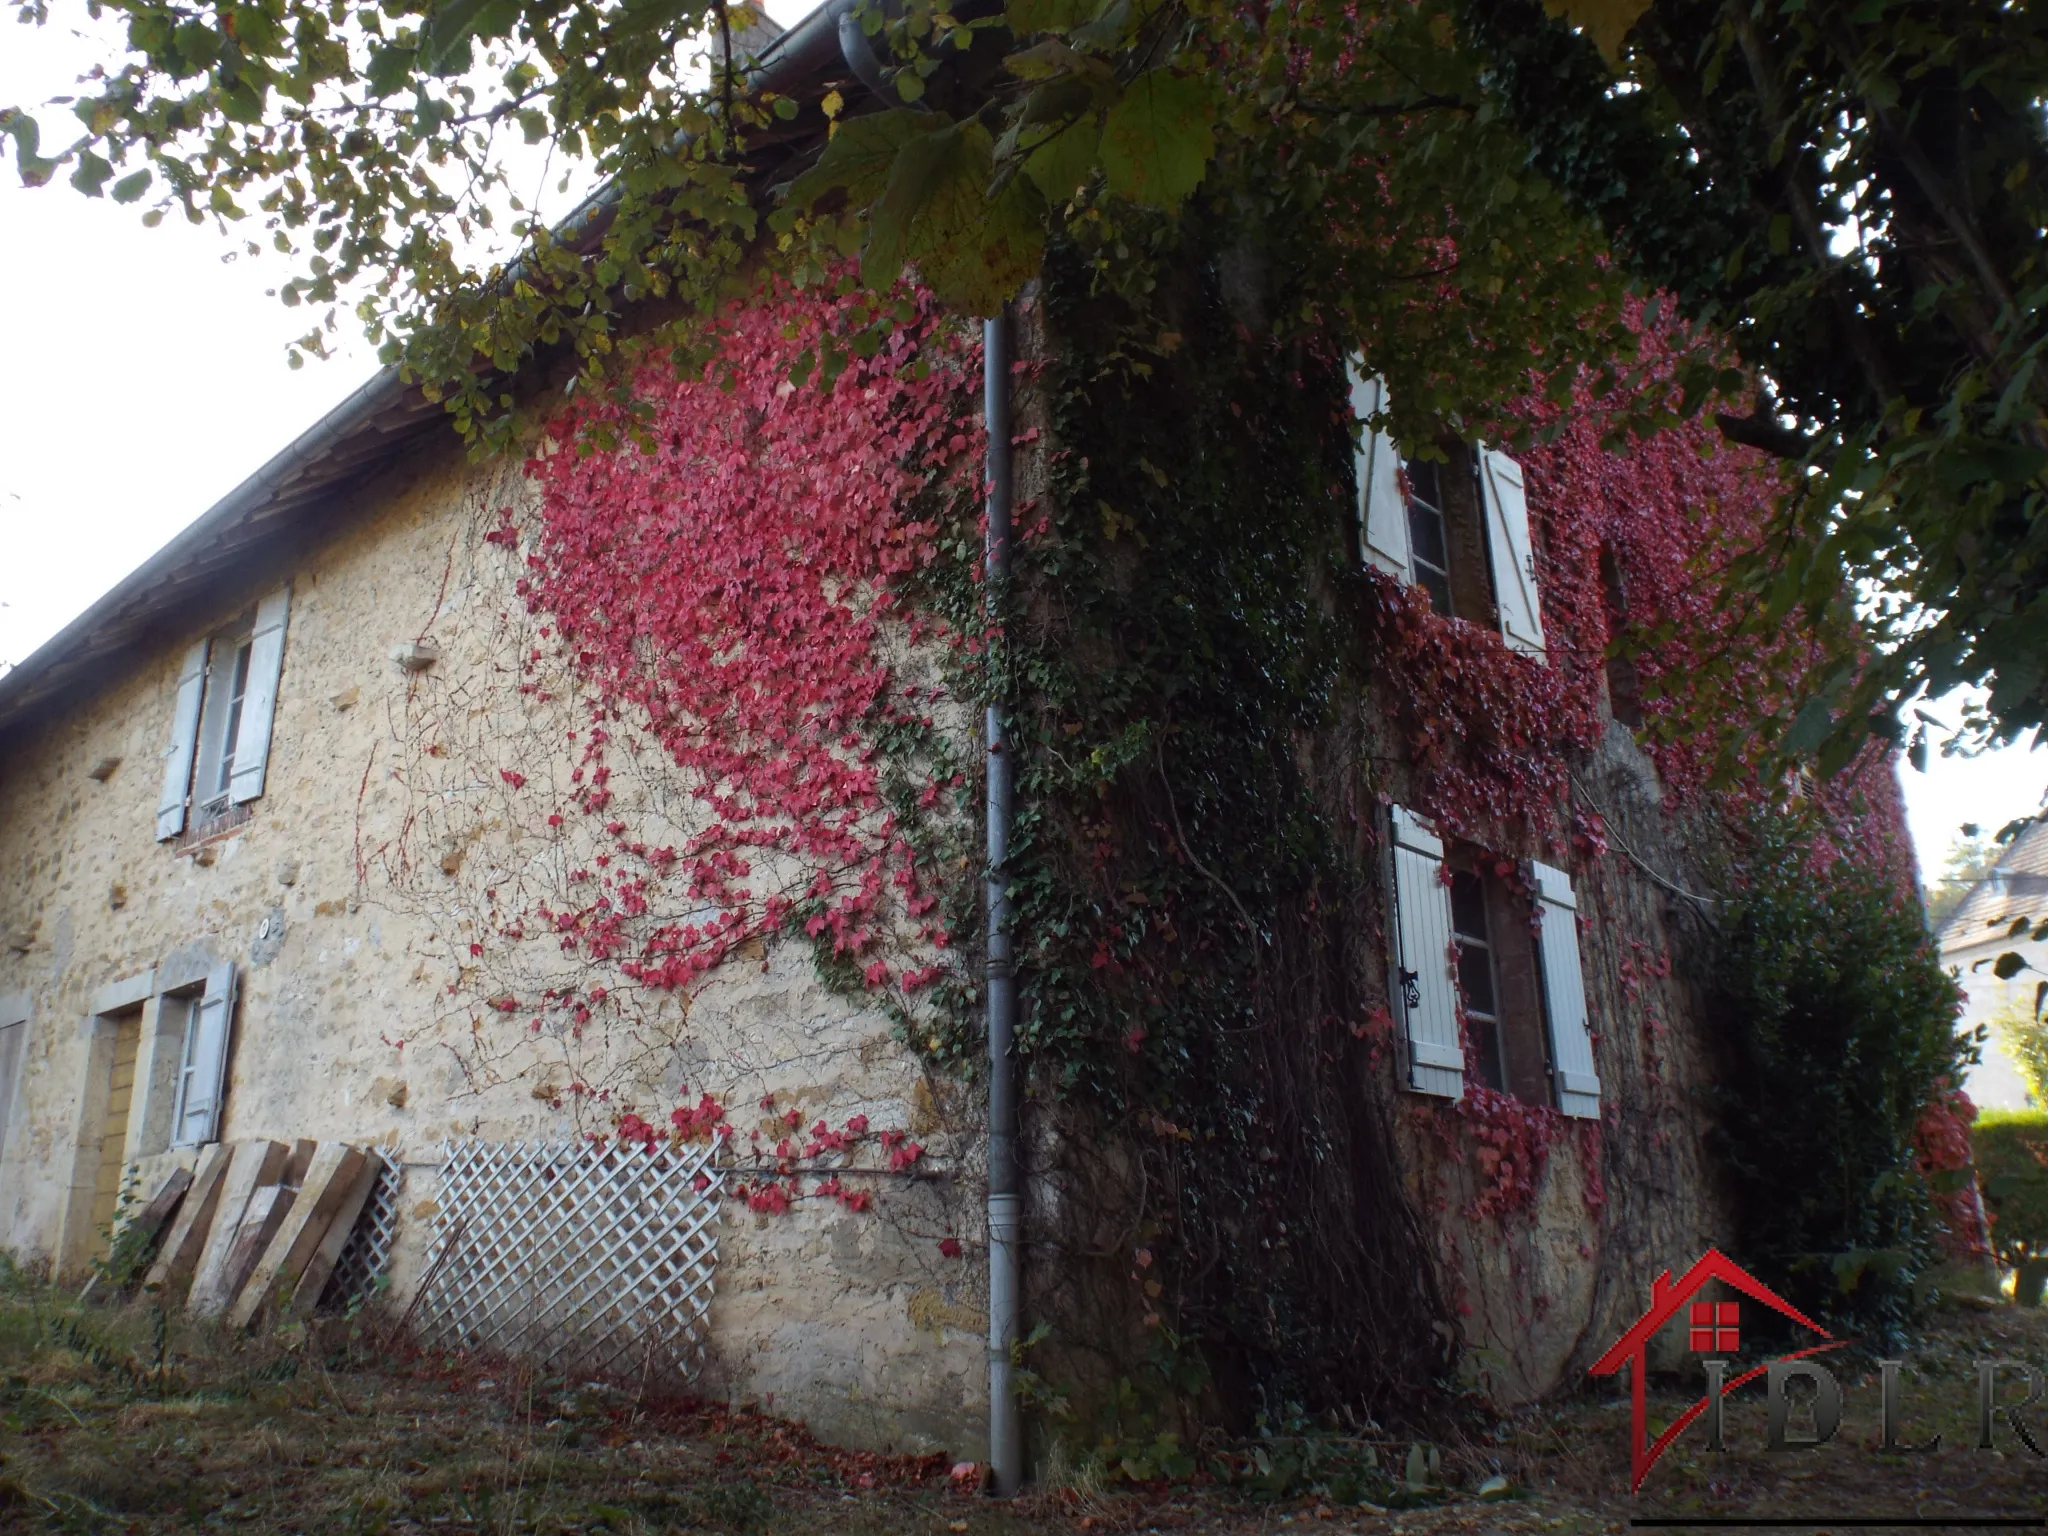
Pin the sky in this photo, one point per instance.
(145, 378)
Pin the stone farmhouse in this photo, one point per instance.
(308, 836)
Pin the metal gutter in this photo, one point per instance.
(1005, 1182)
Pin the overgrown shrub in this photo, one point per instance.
(1840, 1030)
(2010, 1148)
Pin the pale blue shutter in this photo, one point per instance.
(259, 699)
(202, 1078)
(1564, 993)
(170, 805)
(1425, 984)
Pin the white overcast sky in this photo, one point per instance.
(142, 377)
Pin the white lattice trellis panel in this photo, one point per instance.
(592, 1258)
(368, 1250)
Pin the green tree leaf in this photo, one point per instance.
(976, 252)
(1606, 22)
(444, 46)
(936, 212)
(1062, 163)
(1158, 138)
(861, 155)
(91, 174)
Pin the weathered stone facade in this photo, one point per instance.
(854, 1321)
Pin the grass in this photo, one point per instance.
(122, 1420)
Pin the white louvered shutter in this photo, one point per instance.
(1514, 560)
(259, 697)
(1425, 983)
(1382, 509)
(170, 805)
(203, 1076)
(1564, 993)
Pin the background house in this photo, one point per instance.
(1972, 939)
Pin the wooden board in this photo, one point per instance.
(306, 1294)
(252, 1166)
(268, 1209)
(330, 1178)
(149, 1221)
(137, 1235)
(187, 1237)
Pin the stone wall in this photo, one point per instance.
(1548, 1287)
(352, 1022)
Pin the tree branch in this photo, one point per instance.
(1764, 434)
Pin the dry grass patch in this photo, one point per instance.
(120, 1421)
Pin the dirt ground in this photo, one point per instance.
(116, 1420)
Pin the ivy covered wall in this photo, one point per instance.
(1219, 700)
(763, 582)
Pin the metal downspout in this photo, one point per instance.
(1005, 1193)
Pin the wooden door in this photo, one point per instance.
(106, 1197)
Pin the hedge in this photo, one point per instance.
(2011, 1151)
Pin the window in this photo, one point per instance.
(221, 720)
(1457, 525)
(1429, 537)
(1497, 978)
(1508, 952)
(1475, 976)
(202, 1058)
(13, 1048)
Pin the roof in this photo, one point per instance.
(299, 496)
(250, 527)
(2016, 887)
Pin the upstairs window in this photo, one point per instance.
(1429, 534)
(221, 719)
(1459, 528)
